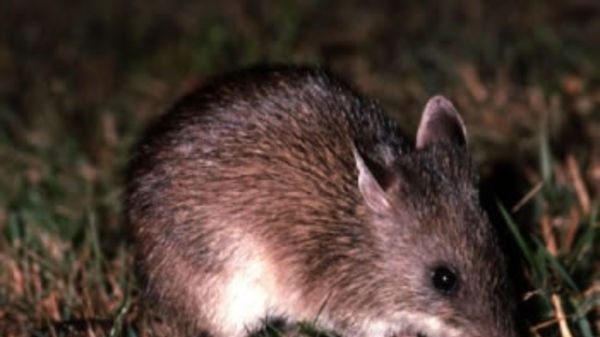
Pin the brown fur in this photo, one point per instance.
(260, 164)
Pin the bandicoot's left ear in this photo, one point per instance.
(440, 122)
(376, 183)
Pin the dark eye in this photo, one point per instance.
(445, 280)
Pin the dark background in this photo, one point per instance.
(79, 80)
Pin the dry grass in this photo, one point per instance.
(79, 82)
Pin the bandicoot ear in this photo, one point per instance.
(374, 182)
(440, 122)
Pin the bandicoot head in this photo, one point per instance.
(447, 274)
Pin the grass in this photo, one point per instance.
(80, 81)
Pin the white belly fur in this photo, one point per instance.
(249, 293)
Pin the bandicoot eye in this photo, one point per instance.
(445, 280)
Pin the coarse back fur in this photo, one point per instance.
(281, 192)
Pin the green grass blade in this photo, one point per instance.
(545, 158)
(584, 241)
(584, 324)
(527, 253)
(556, 264)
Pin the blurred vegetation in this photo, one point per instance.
(80, 80)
